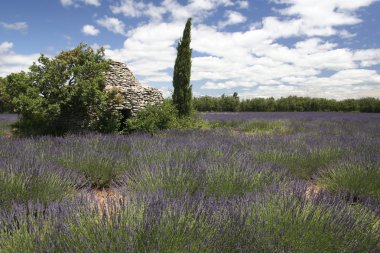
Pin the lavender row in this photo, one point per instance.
(279, 219)
(199, 161)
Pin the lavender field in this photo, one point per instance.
(244, 182)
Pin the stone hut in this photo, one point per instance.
(134, 95)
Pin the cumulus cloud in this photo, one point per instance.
(5, 47)
(129, 8)
(198, 9)
(90, 30)
(243, 4)
(254, 59)
(11, 62)
(112, 24)
(322, 18)
(232, 18)
(150, 50)
(77, 3)
(18, 26)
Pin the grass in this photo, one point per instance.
(225, 181)
(303, 165)
(354, 179)
(253, 126)
(100, 169)
(174, 181)
(23, 187)
(100, 160)
(291, 224)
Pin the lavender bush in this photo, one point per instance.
(273, 182)
(280, 219)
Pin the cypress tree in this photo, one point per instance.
(182, 94)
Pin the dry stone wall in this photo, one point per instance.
(134, 95)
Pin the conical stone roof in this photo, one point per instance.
(135, 95)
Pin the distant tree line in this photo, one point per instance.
(284, 104)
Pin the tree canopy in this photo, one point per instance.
(64, 94)
(5, 100)
(284, 104)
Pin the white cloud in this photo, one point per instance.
(90, 30)
(226, 85)
(129, 8)
(18, 26)
(96, 46)
(76, 3)
(198, 9)
(346, 34)
(322, 17)
(253, 59)
(232, 18)
(167, 93)
(243, 4)
(11, 62)
(112, 24)
(150, 50)
(5, 47)
(67, 3)
(92, 2)
(367, 57)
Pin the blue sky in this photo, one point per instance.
(258, 48)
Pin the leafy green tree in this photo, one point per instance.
(182, 94)
(64, 94)
(5, 99)
(369, 104)
(230, 103)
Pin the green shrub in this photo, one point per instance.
(355, 179)
(302, 164)
(159, 117)
(5, 100)
(64, 94)
(99, 168)
(152, 119)
(21, 188)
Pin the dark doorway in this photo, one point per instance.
(126, 114)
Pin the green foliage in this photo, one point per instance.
(152, 119)
(174, 181)
(64, 94)
(289, 104)
(5, 99)
(230, 103)
(302, 165)
(308, 227)
(182, 94)
(369, 104)
(228, 181)
(355, 179)
(254, 126)
(159, 117)
(23, 188)
(99, 168)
